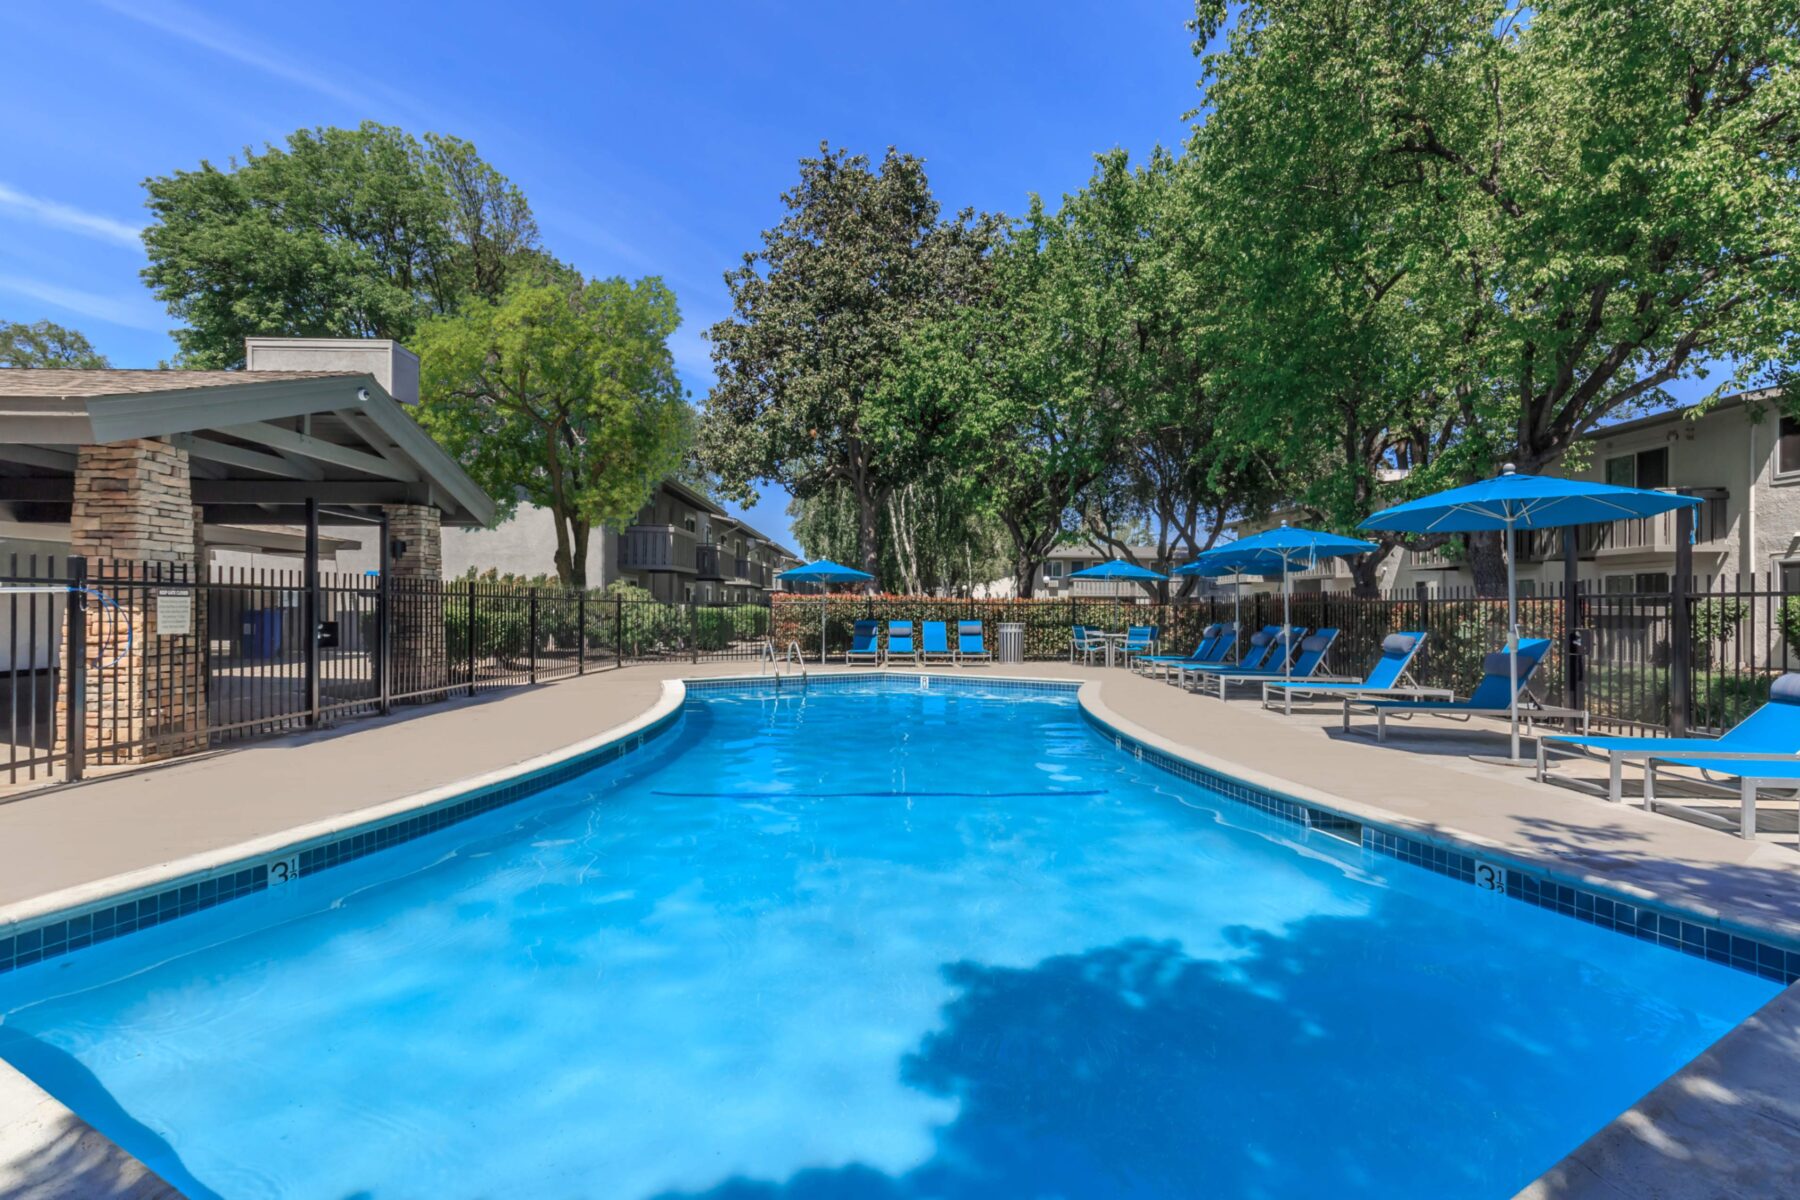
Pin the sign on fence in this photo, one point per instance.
(174, 612)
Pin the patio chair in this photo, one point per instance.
(1208, 636)
(1307, 661)
(1087, 643)
(934, 643)
(1772, 732)
(1265, 643)
(1217, 644)
(970, 643)
(1492, 697)
(865, 643)
(1384, 678)
(900, 642)
(1139, 639)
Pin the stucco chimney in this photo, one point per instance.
(394, 367)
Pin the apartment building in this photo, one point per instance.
(1741, 457)
(681, 548)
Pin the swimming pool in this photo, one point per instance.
(876, 940)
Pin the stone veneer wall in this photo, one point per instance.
(134, 519)
(419, 659)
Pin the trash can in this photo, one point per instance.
(1009, 642)
(260, 638)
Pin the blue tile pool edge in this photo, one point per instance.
(53, 934)
(1632, 916)
(57, 933)
(50, 935)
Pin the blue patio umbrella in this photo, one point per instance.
(1118, 568)
(1197, 567)
(1282, 551)
(824, 572)
(1511, 501)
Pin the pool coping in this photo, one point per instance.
(1304, 805)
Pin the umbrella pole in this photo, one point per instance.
(1512, 636)
(1237, 617)
(1287, 627)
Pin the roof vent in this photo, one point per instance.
(394, 367)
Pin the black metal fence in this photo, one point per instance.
(1682, 659)
(120, 663)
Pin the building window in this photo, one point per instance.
(1787, 448)
(689, 523)
(1642, 582)
(1054, 568)
(1645, 469)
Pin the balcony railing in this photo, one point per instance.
(706, 561)
(657, 548)
(1638, 536)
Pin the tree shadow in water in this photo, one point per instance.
(1343, 1055)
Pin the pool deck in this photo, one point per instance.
(1735, 1109)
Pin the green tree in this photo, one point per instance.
(561, 393)
(1618, 182)
(46, 344)
(861, 258)
(1328, 343)
(342, 232)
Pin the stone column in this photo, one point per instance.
(134, 520)
(419, 658)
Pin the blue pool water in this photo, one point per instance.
(871, 943)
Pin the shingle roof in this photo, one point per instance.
(57, 381)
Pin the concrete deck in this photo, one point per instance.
(1422, 780)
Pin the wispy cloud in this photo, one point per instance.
(133, 312)
(354, 89)
(66, 216)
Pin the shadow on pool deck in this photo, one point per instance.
(1134, 1071)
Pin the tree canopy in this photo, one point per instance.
(361, 232)
(861, 258)
(46, 344)
(562, 393)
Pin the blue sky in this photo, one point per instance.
(651, 138)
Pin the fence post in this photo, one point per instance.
(75, 686)
(384, 621)
(470, 638)
(694, 629)
(581, 632)
(618, 631)
(532, 633)
(1574, 666)
(314, 612)
(1681, 631)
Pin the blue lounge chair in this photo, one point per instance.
(934, 643)
(1217, 643)
(1086, 642)
(1139, 639)
(1307, 661)
(1397, 651)
(865, 643)
(1772, 732)
(1492, 697)
(971, 646)
(1265, 643)
(900, 642)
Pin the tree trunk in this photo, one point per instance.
(578, 576)
(868, 508)
(1365, 574)
(565, 556)
(1488, 563)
